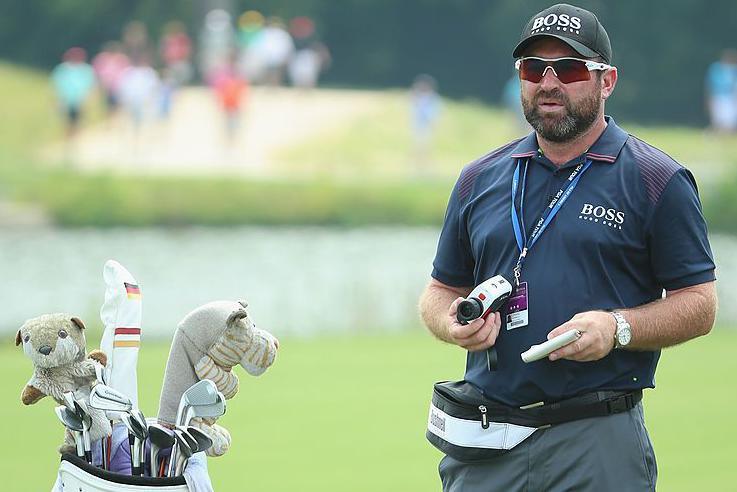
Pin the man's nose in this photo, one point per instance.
(550, 79)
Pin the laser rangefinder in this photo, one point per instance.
(488, 297)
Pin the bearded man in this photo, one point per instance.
(597, 232)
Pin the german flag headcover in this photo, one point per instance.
(121, 340)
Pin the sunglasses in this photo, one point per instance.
(567, 69)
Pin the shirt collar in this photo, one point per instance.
(605, 149)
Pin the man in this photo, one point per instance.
(721, 92)
(73, 81)
(624, 225)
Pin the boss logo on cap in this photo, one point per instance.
(562, 22)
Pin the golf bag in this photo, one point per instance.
(76, 475)
(121, 314)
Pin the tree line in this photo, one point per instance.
(661, 47)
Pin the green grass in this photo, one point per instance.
(379, 143)
(364, 172)
(105, 200)
(349, 414)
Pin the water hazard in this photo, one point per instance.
(297, 281)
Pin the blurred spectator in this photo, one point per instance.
(425, 110)
(109, 66)
(251, 62)
(721, 91)
(231, 91)
(139, 90)
(311, 56)
(73, 80)
(135, 41)
(302, 30)
(167, 87)
(175, 49)
(277, 48)
(217, 43)
(307, 64)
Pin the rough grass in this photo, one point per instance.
(349, 414)
(365, 172)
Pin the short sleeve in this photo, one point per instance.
(454, 263)
(680, 254)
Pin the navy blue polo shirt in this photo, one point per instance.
(632, 227)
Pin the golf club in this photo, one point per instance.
(68, 400)
(201, 393)
(105, 398)
(80, 408)
(100, 373)
(140, 419)
(205, 409)
(72, 422)
(136, 434)
(183, 451)
(203, 440)
(160, 438)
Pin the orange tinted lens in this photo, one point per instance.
(567, 70)
(532, 70)
(571, 71)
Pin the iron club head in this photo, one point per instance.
(203, 440)
(106, 398)
(160, 438)
(73, 423)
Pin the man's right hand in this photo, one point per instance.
(477, 335)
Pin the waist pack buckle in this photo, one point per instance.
(620, 404)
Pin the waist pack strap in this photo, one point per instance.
(598, 404)
(462, 400)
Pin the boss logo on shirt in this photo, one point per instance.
(609, 217)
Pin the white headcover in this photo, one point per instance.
(121, 340)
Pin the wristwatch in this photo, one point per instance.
(623, 334)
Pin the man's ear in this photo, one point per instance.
(78, 322)
(18, 339)
(608, 82)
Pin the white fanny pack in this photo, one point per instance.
(461, 425)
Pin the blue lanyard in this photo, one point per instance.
(525, 243)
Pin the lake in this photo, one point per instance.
(297, 281)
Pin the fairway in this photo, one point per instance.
(348, 414)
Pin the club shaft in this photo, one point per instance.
(173, 461)
(154, 453)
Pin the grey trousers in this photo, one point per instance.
(601, 454)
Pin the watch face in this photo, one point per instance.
(624, 336)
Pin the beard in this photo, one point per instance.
(575, 121)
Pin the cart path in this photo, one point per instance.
(193, 140)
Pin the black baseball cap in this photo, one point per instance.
(577, 27)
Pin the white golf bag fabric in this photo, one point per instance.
(74, 479)
(71, 478)
(121, 340)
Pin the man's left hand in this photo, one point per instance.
(597, 337)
